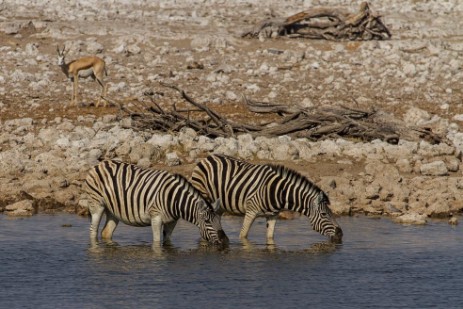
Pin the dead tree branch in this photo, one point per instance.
(329, 23)
(314, 123)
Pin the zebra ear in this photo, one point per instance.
(216, 205)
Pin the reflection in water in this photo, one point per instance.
(323, 247)
(379, 264)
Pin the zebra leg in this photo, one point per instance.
(110, 226)
(248, 220)
(96, 211)
(168, 229)
(271, 222)
(156, 227)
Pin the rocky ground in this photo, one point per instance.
(47, 146)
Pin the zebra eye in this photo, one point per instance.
(323, 214)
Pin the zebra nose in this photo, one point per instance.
(337, 237)
(338, 232)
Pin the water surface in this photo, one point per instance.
(46, 261)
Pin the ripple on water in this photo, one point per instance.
(379, 264)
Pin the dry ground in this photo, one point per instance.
(47, 105)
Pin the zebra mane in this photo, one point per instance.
(286, 172)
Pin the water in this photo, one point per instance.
(46, 262)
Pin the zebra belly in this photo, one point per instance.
(134, 218)
(142, 222)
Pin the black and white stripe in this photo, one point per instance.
(143, 197)
(263, 190)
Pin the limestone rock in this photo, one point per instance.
(453, 220)
(21, 208)
(172, 159)
(412, 218)
(436, 168)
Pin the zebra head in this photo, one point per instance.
(322, 219)
(210, 225)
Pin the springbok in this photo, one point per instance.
(85, 67)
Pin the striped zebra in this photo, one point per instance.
(143, 197)
(263, 190)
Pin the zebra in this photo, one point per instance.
(263, 190)
(143, 197)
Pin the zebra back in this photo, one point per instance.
(276, 187)
(132, 193)
(230, 180)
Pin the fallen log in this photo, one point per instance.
(312, 123)
(329, 23)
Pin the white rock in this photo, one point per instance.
(187, 138)
(227, 146)
(284, 152)
(453, 220)
(315, 65)
(94, 47)
(21, 205)
(252, 87)
(31, 49)
(172, 159)
(409, 69)
(246, 146)
(436, 168)
(416, 116)
(13, 27)
(93, 156)
(205, 144)
(21, 208)
(144, 151)
(263, 155)
(134, 49)
(231, 96)
(307, 103)
(201, 43)
(164, 141)
(458, 117)
(412, 218)
(144, 163)
(404, 166)
(122, 48)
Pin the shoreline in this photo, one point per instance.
(411, 180)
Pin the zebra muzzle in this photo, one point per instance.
(337, 237)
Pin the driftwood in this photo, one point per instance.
(313, 124)
(329, 23)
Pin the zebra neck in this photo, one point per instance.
(290, 197)
(189, 213)
(278, 195)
